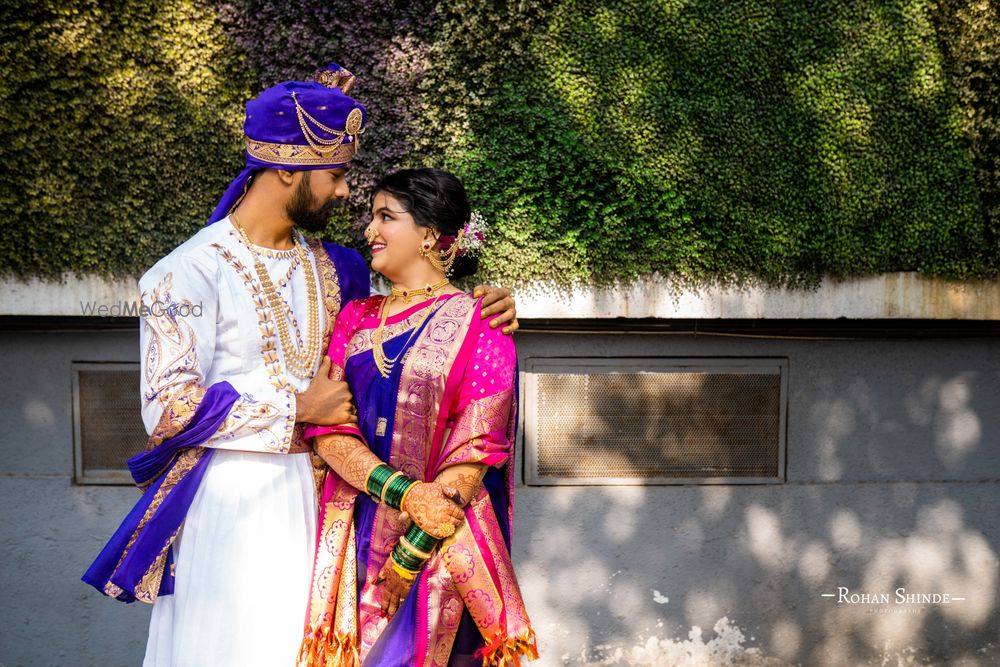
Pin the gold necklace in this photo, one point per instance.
(428, 290)
(383, 363)
(299, 362)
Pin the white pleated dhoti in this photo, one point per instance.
(243, 564)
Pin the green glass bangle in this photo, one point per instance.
(410, 554)
(405, 559)
(398, 486)
(411, 568)
(411, 571)
(381, 473)
(378, 478)
(390, 490)
(421, 539)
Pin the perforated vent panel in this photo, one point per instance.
(109, 424)
(635, 425)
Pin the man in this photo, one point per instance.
(235, 321)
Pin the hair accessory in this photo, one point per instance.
(470, 239)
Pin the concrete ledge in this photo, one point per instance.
(889, 296)
(74, 297)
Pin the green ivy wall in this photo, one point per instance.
(707, 141)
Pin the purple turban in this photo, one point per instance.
(299, 125)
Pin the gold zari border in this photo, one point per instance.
(297, 154)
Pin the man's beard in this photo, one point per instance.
(303, 212)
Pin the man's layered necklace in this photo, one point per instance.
(298, 361)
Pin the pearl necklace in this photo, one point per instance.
(298, 361)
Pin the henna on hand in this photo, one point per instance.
(468, 485)
(433, 507)
(348, 457)
(466, 477)
(394, 588)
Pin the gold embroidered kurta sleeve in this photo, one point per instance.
(180, 341)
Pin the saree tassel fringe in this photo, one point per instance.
(321, 648)
(504, 651)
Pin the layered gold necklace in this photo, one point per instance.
(298, 361)
(385, 364)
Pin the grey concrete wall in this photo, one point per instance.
(51, 529)
(892, 481)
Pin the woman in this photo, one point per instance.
(412, 562)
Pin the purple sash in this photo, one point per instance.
(135, 563)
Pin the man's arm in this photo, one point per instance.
(178, 338)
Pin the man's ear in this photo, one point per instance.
(285, 176)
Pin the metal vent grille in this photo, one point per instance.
(108, 422)
(630, 421)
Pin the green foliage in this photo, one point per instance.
(716, 142)
(120, 126)
(706, 141)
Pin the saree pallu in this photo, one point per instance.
(450, 400)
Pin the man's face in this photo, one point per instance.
(318, 193)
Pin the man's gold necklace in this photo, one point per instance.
(383, 363)
(299, 362)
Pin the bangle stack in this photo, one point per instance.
(412, 551)
(416, 546)
(388, 485)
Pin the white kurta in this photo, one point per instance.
(244, 556)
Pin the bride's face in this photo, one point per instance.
(395, 240)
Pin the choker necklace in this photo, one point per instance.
(428, 291)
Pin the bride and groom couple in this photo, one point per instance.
(328, 478)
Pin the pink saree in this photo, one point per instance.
(450, 400)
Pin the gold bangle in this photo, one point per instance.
(402, 501)
(409, 575)
(385, 487)
(412, 549)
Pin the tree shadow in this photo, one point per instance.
(885, 490)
